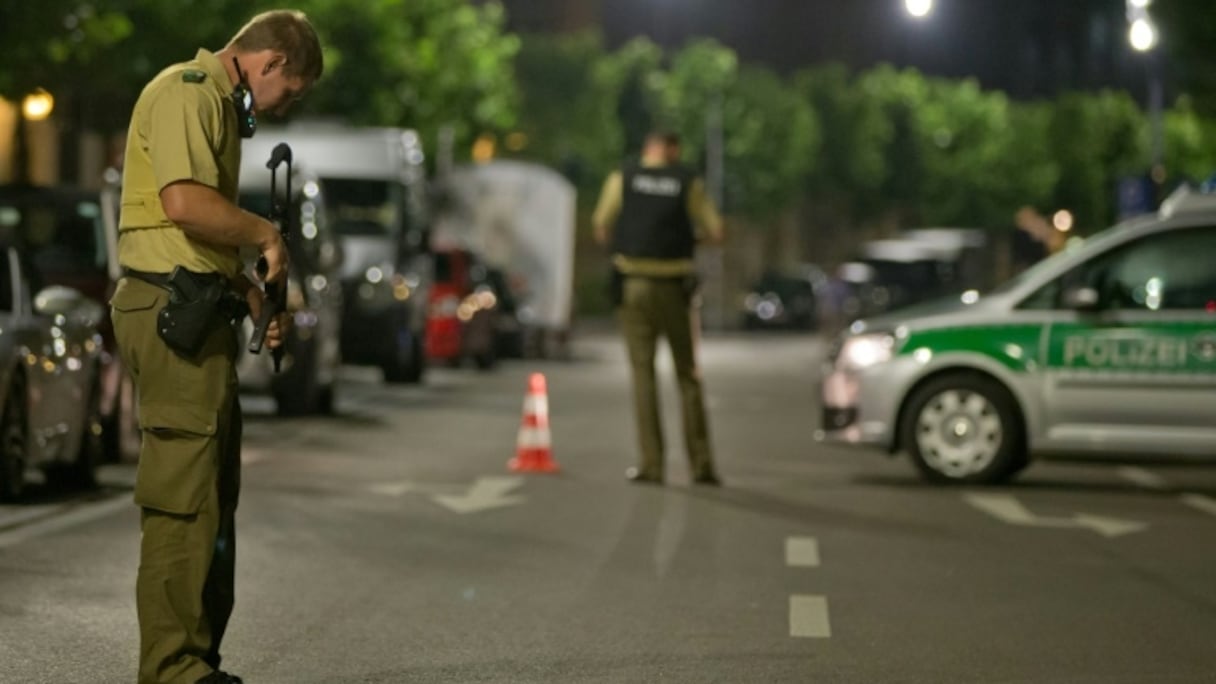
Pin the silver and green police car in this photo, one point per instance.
(1107, 348)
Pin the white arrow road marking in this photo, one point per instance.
(809, 617)
(1009, 509)
(1144, 478)
(1201, 502)
(484, 494)
(801, 552)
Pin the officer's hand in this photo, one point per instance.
(277, 332)
(279, 326)
(274, 253)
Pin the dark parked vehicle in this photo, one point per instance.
(50, 370)
(68, 236)
(463, 319)
(781, 301)
(312, 357)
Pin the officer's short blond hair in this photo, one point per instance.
(289, 32)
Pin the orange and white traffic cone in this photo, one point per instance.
(533, 447)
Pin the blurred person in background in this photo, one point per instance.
(651, 215)
(180, 231)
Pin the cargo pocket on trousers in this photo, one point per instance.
(130, 296)
(178, 463)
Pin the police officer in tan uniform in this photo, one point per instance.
(174, 313)
(652, 214)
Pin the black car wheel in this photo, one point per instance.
(297, 392)
(406, 361)
(964, 428)
(82, 471)
(13, 432)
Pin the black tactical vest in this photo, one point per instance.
(654, 221)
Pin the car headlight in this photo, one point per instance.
(862, 351)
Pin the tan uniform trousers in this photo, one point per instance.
(663, 307)
(187, 487)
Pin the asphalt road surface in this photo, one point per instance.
(391, 543)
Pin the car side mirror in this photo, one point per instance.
(70, 303)
(1082, 298)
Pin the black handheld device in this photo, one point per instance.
(276, 295)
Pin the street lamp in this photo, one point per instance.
(1142, 34)
(36, 106)
(919, 8)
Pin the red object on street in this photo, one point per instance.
(533, 445)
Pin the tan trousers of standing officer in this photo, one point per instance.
(663, 307)
(187, 487)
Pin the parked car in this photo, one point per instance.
(65, 234)
(308, 378)
(463, 319)
(50, 379)
(374, 181)
(782, 301)
(1105, 348)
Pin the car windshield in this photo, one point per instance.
(65, 235)
(1094, 241)
(363, 206)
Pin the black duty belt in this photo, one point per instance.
(157, 279)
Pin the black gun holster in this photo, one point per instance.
(197, 302)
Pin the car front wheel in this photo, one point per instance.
(12, 442)
(964, 428)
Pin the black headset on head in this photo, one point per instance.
(242, 100)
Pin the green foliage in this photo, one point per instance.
(772, 139)
(1096, 139)
(46, 41)
(851, 160)
(567, 103)
(1190, 42)
(422, 64)
(1190, 142)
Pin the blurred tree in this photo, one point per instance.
(567, 107)
(47, 43)
(851, 165)
(419, 63)
(1096, 138)
(1190, 142)
(423, 64)
(1190, 38)
(632, 73)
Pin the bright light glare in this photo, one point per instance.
(864, 351)
(1143, 35)
(919, 8)
(1062, 220)
(37, 105)
(1139, 4)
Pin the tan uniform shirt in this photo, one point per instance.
(705, 219)
(183, 128)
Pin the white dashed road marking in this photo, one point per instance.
(1144, 478)
(808, 614)
(802, 552)
(1201, 502)
(73, 517)
(809, 617)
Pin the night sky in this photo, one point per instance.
(1028, 48)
